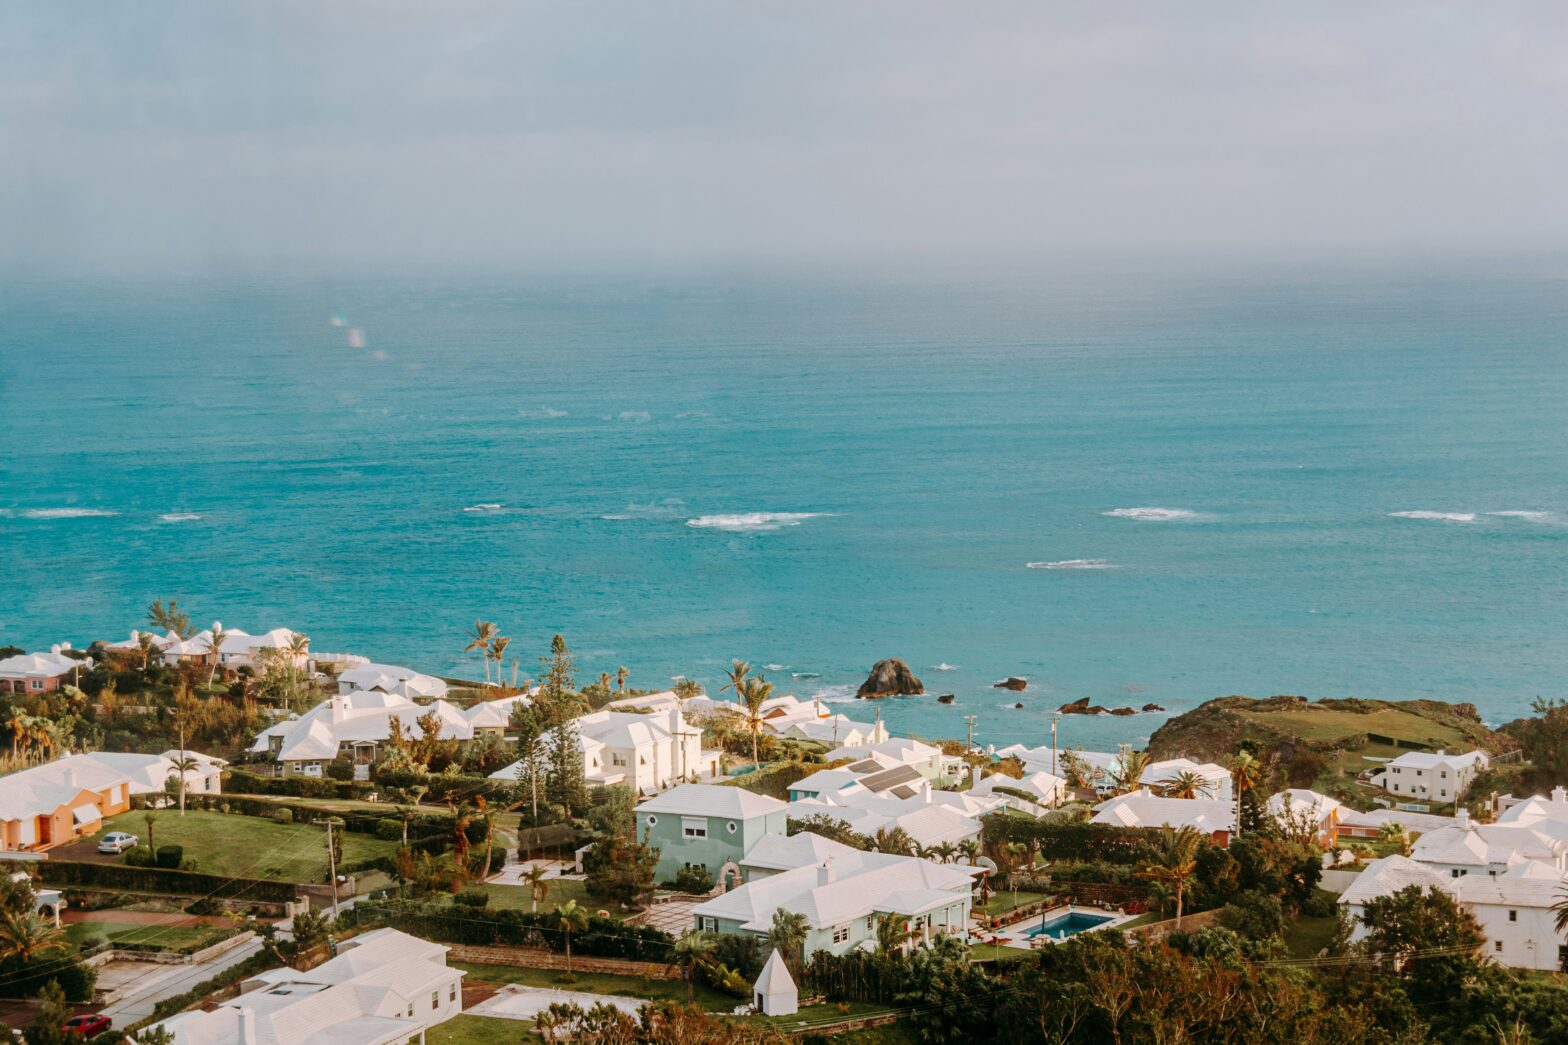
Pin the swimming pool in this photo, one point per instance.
(1065, 925)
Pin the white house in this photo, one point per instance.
(1046, 791)
(58, 802)
(385, 987)
(1100, 766)
(1514, 908)
(356, 725)
(1468, 848)
(930, 818)
(147, 774)
(1216, 778)
(844, 896)
(1440, 777)
(1299, 805)
(930, 761)
(646, 753)
(239, 649)
(1549, 816)
(1140, 809)
(389, 678)
(1353, 823)
(40, 672)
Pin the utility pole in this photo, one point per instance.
(970, 745)
(332, 867)
(1054, 720)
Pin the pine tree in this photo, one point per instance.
(565, 786)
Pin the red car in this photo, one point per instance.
(88, 1026)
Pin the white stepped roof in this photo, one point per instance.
(712, 800)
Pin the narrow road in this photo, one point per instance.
(158, 982)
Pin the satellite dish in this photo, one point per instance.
(987, 863)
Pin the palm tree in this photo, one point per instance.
(498, 654)
(481, 635)
(946, 852)
(1129, 771)
(689, 950)
(538, 882)
(488, 815)
(787, 935)
(182, 765)
(27, 935)
(1247, 773)
(620, 678)
(569, 918)
(1185, 784)
(892, 840)
(145, 644)
(1178, 859)
(215, 649)
(754, 693)
(739, 670)
(970, 848)
(1560, 909)
(150, 818)
(893, 932)
(1392, 833)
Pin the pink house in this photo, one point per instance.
(39, 672)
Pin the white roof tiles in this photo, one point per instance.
(1141, 809)
(390, 678)
(1389, 875)
(41, 665)
(43, 789)
(1485, 844)
(358, 716)
(1428, 760)
(1299, 800)
(712, 800)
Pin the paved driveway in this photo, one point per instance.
(516, 1002)
(673, 917)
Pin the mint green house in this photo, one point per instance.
(707, 825)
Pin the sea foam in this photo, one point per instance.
(1072, 564)
(179, 517)
(67, 513)
(1458, 517)
(1527, 515)
(944, 666)
(1151, 514)
(751, 522)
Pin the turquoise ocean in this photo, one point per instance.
(1329, 481)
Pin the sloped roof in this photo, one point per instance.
(1389, 875)
(775, 977)
(1141, 809)
(41, 665)
(43, 789)
(712, 800)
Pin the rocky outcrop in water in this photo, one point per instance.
(890, 678)
(946, 698)
(1012, 682)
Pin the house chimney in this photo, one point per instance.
(335, 707)
(826, 872)
(1462, 819)
(1560, 794)
(69, 776)
(247, 1026)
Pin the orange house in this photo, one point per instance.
(59, 802)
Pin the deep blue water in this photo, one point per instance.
(945, 432)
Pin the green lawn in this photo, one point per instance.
(517, 897)
(479, 1030)
(1004, 900)
(161, 937)
(1305, 936)
(826, 1013)
(989, 951)
(600, 983)
(250, 846)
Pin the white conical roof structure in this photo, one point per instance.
(776, 994)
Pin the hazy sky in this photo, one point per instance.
(149, 134)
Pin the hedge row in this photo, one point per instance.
(1069, 841)
(427, 832)
(604, 937)
(162, 880)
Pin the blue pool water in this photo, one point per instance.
(1065, 925)
(1346, 482)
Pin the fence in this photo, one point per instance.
(1156, 931)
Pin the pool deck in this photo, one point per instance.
(1012, 935)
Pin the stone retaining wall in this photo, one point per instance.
(539, 958)
(1159, 930)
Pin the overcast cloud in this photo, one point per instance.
(176, 134)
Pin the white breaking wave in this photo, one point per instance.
(752, 522)
(805, 674)
(179, 517)
(835, 694)
(486, 507)
(773, 667)
(67, 513)
(548, 413)
(1151, 514)
(1459, 517)
(1072, 564)
(944, 666)
(1531, 516)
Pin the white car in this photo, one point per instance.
(117, 842)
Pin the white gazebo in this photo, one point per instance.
(775, 991)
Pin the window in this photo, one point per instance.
(1497, 945)
(710, 924)
(869, 922)
(732, 827)
(694, 827)
(617, 760)
(1444, 774)
(652, 820)
(435, 999)
(452, 993)
(1513, 916)
(841, 934)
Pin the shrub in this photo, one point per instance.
(389, 830)
(140, 856)
(472, 898)
(697, 879)
(161, 880)
(283, 816)
(1321, 904)
(170, 856)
